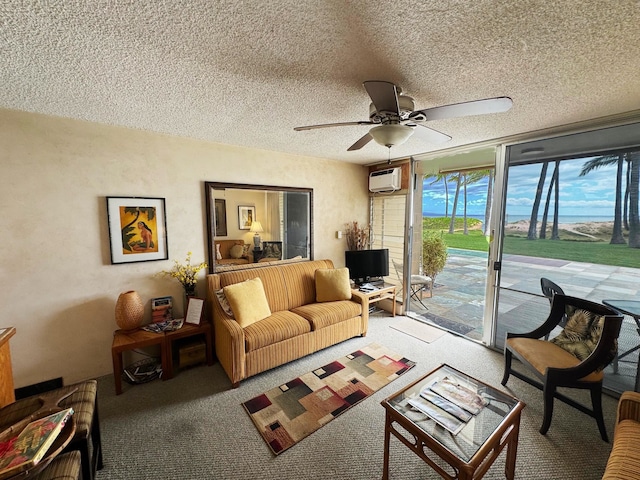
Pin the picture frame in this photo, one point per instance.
(195, 308)
(220, 217)
(246, 215)
(137, 229)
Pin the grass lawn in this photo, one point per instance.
(579, 251)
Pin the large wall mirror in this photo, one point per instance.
(257, 223)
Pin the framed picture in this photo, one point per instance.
(246, 215)
(220, 217)
(137, 229)
(194, 310)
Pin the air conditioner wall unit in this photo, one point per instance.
(385, 180)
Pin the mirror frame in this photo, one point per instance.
(210, 209)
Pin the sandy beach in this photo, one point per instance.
(592, 230)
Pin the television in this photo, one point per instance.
(366, 266)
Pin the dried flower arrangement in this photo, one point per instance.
(357, 238)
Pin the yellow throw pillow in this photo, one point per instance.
(236, 251)
(332, 284)
(248, 301)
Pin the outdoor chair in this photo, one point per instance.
(575, 358)
(549, 289)
(418, 284)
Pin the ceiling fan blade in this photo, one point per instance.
(325, 125)
(360, 143)
(384, 96)
(464, 109)
(430, 135)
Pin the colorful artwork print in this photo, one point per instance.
(139, 229)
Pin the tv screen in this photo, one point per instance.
(367, 265)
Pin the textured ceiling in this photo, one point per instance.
(247, 72)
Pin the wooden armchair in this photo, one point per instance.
(591, 335)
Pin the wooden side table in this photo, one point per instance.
(124, 340)
(387, 292)
(187, 330)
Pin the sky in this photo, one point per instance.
(591, 195)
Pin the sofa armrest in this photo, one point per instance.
(628, 407)
(362, 300)
(230, 342)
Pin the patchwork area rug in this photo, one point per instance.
(286, 414)
(418, 329)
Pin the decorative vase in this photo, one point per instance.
(189, 291)
(129, 310)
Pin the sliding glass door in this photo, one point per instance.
(570, 215)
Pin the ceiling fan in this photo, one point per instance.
(396, 119)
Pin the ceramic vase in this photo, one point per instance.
(129, 310)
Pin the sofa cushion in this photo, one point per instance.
(236, 251)
(248, 301)
(581, 334)
(324, 314)
(332, 284)
(300, 281)
(542, 354)
(277, 327)
(224, 303)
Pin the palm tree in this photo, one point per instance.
(458, 179)
(617, 237)
(634, 219)
(533, 222)
(487, 207)
(543, 226)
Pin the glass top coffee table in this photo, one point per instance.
(468, 439)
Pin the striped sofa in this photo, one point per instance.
(624, 460)
(298, 325)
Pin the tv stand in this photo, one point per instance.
(382, 292)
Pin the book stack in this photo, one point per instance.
(161, 309)
(26, 449)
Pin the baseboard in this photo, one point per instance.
(36, 388)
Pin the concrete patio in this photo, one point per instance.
(457, 303)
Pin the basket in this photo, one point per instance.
(143, 371)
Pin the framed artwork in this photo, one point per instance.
(246, 215)
(220, 217)
(194, 310)
(137, 229)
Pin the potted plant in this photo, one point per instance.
(434, 256)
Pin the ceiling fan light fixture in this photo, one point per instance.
(391, 135)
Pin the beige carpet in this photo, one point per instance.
(418, 329)
(193, 427)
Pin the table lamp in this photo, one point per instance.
(256, 227)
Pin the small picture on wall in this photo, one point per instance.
(137, 229)
(246, 215)
(220, 217)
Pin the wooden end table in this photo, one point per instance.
(124, 340)
(471, 451)
(187, 330)
(386, 292)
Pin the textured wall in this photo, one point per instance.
(57, 284)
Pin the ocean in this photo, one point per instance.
(517, 218)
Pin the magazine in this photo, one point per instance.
(26, 449)
(458, 394)
(437, 414)
(446, 405)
